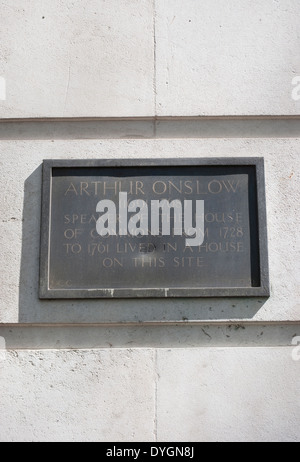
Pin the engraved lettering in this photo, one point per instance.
(71, 189)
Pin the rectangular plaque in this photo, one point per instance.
(78, 262)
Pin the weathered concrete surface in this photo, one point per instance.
(148, 57)
(240, 394)
(77, 59)
(102, 395)
(203, 394)
(227, 57)
(184, 334)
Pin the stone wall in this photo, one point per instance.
(148, 79)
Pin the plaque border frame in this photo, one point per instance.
(189, 292)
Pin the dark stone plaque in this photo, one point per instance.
(78, 262)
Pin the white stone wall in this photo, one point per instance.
(202, 394)
(148, 370)
(109, 58)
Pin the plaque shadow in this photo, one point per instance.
(95, 311)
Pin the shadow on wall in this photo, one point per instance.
(33, 310)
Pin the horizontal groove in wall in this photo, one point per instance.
(182, 335)
(150, 128)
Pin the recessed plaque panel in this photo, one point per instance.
(168, 228)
